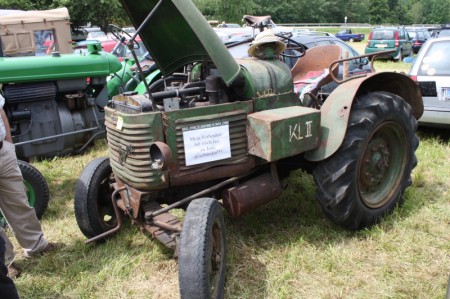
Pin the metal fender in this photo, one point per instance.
(336, 110)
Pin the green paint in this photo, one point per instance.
(69, 66)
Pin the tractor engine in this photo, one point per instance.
(55, 104)
(39, 112)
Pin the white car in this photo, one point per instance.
(431, 70)
(99, 36)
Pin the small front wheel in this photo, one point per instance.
(202, 251)
(94, 210)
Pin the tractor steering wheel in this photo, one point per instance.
(292, 45)
(117, 31)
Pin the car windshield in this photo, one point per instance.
(444, 33)
(412, 34)
(383, 34)
(436, 61)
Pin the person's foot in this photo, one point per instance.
(52, 247)
(14, 270)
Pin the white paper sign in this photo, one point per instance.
(207, 143)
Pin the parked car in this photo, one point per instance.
(418, 37)
(348, 36)
(228, 25)
(99, 36)
(382, 39)
(443, 30)
(431, 70)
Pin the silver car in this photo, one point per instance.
(431, 70)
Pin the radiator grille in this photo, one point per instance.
(129, 146)
(129, 153)
(238, 140)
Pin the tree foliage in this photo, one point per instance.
(376, 12)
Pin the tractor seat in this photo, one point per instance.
(255, 19)
(312, 70)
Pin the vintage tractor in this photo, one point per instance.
(226, 132)
(54, 103)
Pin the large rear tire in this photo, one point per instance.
(94, 210)
(202, 251)
(366, 178)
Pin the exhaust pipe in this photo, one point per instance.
(251, 194)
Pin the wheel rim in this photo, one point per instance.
(215, 259)
(29, 190)
(105, 209)
(382, 164)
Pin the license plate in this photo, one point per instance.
(381, 46)
(447, 94)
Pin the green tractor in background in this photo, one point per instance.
(54, 100)
(226, 132)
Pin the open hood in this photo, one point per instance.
(177, 34)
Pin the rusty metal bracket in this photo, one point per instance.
(371, 57)
(119, 219)
(151, 215)
(165, 227)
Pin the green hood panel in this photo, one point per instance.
(32, 68)
(178, 34)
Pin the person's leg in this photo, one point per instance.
(9, 247)
(7, 288)
(14, 204)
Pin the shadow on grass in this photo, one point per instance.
(438, 133)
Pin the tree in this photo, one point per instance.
(96, 12)
(378, 11)
(225, 10)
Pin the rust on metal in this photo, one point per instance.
(163, 227)
(317, 59)
(118, 216)
(371, 56)
(251, 194)
(335, 112)
(284, 132)
(207, 172)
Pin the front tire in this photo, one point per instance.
(94, 210)
(202, 251)
(365, 179)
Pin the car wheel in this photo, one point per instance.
(400, 56)
(351, 40)
(94, 210)
(202, 251)
(365, 179)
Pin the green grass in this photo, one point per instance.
(286, 249)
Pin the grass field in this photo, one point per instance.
(285, 249)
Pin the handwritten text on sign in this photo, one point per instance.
(206, 143)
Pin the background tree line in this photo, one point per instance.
(375, 12)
